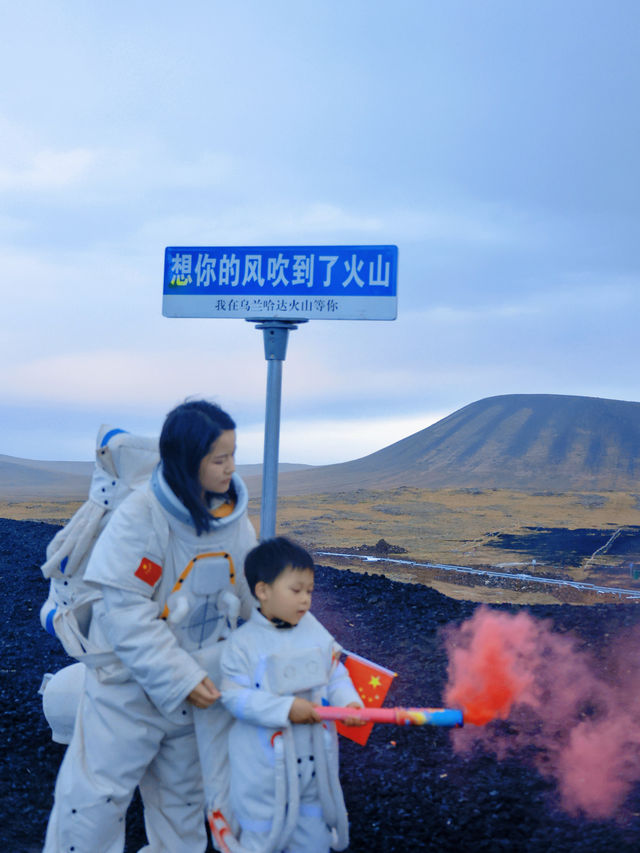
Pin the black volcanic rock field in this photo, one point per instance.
(559, 545)
(408, 789)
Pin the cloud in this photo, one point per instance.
(324, 441)
(256, 223)
(142, 164)
(515, 231)
(129, 378)
(313, 221)
(468, 222)
(150, 167)
(67, 299)
(49, 170)
(49, 431)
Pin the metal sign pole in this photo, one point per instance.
(275, 336)
(278, 287)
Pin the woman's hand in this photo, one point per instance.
(204, 694)
(303, 711)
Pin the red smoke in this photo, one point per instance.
(579, 716)
(487, 665)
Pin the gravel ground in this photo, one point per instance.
(408, 789)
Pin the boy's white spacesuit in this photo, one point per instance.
(167, 597)
(285, 790)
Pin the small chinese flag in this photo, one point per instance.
(372, 683)
(148, 571)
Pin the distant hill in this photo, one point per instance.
(32, 479)
(516, 441)
(539, 442)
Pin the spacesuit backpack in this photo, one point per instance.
(124, 462)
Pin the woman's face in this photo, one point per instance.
(219, 464)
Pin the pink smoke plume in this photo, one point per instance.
(577, 715)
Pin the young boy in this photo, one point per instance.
(285, 792)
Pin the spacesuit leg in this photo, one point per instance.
(212, 732)
(173, 797)
(311, 834)
(114, 739)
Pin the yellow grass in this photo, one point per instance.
(54, 512)
(446, 525)
(457, 526)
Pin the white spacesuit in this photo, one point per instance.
(167, 596)
(285, 791)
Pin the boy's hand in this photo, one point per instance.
(303, 711)
(354, 721)
(204, 694)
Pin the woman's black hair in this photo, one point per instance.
(188, 432)
(270, 558)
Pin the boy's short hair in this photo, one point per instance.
(270, 558)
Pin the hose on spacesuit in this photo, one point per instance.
(290, 804)
(287, 795)
(285, 817)
(329, 788)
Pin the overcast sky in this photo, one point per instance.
(495, 142)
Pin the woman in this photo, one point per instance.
(169, 567)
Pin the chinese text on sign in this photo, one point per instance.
(281, 282)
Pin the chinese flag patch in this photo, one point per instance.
(148, 571)
(372, 683)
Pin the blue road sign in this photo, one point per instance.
(281, 282)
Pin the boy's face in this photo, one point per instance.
(288, 597)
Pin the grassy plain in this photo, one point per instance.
(452, 526)
(463, 527)
(53, 512)
(447, 525)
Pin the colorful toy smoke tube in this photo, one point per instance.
(449, 717)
